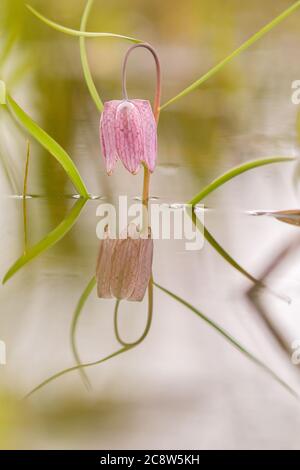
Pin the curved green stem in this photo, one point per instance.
(84, 59)
(75, 32)
(215, 184)
(44, 139)
(156, 104)
(235, 53)
(236, 171)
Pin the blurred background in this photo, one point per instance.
(184, 386)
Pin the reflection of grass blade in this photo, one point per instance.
(81, 366)
(228, 337)
(236, 171)
(235, 53)
(83, 298)
(75, 32)
(84, 60)
(215, 184)
(49, 144)
(71, 369)
(48, 241)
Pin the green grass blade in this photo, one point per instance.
(220, 250)
(84, 59)
(75, 32)
(48, 241)
(228, 337)
(235, 53)
(49, 144)
(215, 184)
(233, 172)
(79, 308)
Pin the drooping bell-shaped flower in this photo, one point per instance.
(128, 132)
(124, 266)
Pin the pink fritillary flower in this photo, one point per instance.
(128, 131)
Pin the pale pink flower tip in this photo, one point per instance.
(128, 131)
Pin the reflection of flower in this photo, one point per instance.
(124, 266)
(128, 132)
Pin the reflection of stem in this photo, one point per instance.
(79, 307)
(149, 319)
(24, 197)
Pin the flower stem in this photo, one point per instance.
(156, 109)
(156, 104)
(146, 185)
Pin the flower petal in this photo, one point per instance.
(107, 134)
(124, 268)
(129, 135)
(149, 133)
(104, 267)
(144, 270)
